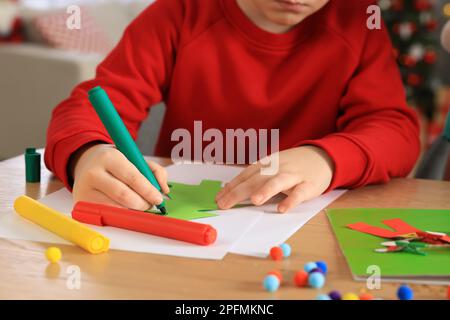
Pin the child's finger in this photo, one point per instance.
(301, 193)
(274, 186)
(119, 192)
(96, 196)
(161, 175)
(240, 178)
(240, 193)
(124, 171)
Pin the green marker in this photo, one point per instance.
(121, 137)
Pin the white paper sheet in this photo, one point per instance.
(272, 228)
(229, 227)
(248, 230)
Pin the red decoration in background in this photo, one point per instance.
(412, 25)
(430, 57)
(396, 53)
(432, 25)
(422, 5)
(16, 34)
(397, 5)
(414, 79)
(408, 60)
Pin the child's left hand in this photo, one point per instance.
(304, 173)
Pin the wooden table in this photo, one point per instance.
(25, 273)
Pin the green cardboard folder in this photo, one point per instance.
(358, 248)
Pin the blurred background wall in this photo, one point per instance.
(41, 61)
(39, 67)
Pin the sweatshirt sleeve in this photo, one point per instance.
(377, 134)
(135, 75)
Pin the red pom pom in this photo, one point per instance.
(301, 278)
(276, 253)
(277, 274)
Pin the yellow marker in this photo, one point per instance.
(61, 225)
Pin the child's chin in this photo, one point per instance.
(288, 20)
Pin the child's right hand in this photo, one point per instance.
(102, 174)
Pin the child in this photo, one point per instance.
(310, 68)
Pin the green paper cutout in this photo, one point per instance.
(358, 247)
(189, 202)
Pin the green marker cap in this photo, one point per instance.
(32, 165)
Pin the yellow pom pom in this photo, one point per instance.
(53, 254)
(350, 296)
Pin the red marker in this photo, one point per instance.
(182, 230)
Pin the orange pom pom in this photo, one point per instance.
(366, 296)
(277, 274)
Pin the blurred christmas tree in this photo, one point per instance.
(413, 25)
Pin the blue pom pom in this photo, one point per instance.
(286, 249)
(323, 297)
(316, 280)
(322, 266)
(405, 293)
(310, 266)
(271, 283)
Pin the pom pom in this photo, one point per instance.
(277, 274)
(310, 266)
(316, 280)
(322, 266)
(335, 295)
(366, 296)
(271, 283)
(53, 254)
(350, 296)
(301, 278)
(316, 270)
(286, 250)
(276, 253)
(405, 293)
(323, 297)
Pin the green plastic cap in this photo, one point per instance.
(32, 165)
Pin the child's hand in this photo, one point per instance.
(304, 173)
(102, 174)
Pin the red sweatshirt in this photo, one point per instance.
(328, 82)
